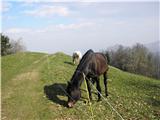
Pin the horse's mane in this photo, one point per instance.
(85, 57)
(83, 61)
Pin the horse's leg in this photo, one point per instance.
(98, 88)
(78, 60)
(105, 83)
(89, 90)
(93, 80)
(73, 60)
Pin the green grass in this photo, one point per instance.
(31, 91)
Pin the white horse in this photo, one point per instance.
(76, 57)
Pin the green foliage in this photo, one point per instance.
(5, 45)
(136, 60)
(30, 90)
(9, 46)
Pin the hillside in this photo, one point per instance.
(31, 89)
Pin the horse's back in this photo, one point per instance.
(93, 62)
(101, 57)
(101, 63)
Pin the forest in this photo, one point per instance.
(136, 59)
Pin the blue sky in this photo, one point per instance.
(69, 26)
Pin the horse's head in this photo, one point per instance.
(74, 94)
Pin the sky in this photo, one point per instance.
(51, 26)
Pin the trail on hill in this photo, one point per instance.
(23, 85)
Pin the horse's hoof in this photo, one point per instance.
(106, 95)
(98, 100)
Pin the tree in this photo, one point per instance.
(11, 46)
(120, 57)
(5, 45)
(156, 61)
(140, 59)
(17, 46)
(136, 59)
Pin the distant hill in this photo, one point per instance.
(33, 87)
(154, 47)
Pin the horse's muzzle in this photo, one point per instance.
(70, 104)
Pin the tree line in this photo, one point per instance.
(9, 46)
(137, 59)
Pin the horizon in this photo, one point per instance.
(51, 27)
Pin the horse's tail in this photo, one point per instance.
(107, 57)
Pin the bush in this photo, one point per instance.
(9, 46)
(5, 45)
(136, 59)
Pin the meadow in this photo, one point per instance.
(33, 85)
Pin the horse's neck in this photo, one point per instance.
(77, 79)
(82, 69)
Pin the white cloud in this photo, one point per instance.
(66, 27)
(51, 28)
(18, 30)
(5, 6)
(47, 10)
(75, 26)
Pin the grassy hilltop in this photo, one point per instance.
(31, 90)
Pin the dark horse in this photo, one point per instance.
(92, 65)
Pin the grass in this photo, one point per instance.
(32, 89)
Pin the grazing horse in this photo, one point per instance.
(76, 57)
(92, 65)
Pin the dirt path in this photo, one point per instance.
(25, 90)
